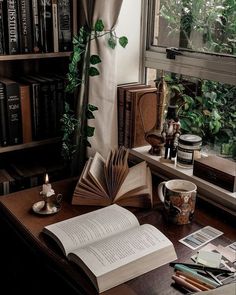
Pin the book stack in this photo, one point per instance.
(136, 113)
(35, 26)
(31, 108)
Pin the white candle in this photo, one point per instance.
(47, 188)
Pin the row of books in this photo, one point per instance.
(35, 26)
(30, 108)
(136, 113)
(19, 176)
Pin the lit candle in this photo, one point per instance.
(47, 187)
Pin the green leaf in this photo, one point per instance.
(99, 26)
(90, 115)
(95, 59)
(93, 72)
(92, 107)
(112, 42)
(123, 41)
(90, 131)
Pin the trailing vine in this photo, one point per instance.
(70, 124)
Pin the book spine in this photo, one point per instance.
(46, 28)
(13, 110)
(128, 109)
(55, 26)
(25, 23)
(2, 37)
(3, 128)
(121, 115)
(65, 25)
(12, 34)
(26, 113)
(37, 47)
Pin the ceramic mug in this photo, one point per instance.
(179, 198)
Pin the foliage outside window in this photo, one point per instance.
(204, 36)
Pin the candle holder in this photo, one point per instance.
(51, 202)
(49, 205)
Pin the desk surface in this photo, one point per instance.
(16, 208)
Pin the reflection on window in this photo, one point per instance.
(199, 25)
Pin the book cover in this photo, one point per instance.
(36, 107)
(45, 24)
(11, 26)
(37, 45)
(3, 117)
(65, 25)
(111, 246)
(13, 111)
(121, 89)
(25, 25)
(6, 182)
(104, 182)
(2, 37)
(26, 113)
(132, 115)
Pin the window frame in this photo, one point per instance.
(216, 67)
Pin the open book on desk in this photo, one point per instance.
(111, 246)
(104, 182)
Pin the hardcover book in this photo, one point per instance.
(121, 106)
(104, 182)
(11, 26)
(13, 111)
(65, 25)
(139, 116)
(55, 26)
(46, 27)
(25, 23)
(26, 113)
(111, 246)
(37, 46)
(3, 117)
(2, 37)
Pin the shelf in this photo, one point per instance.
(29, 145)
(206, 190)
(15, 57)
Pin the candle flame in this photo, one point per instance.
(46, 179)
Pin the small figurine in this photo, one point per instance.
(171, 132)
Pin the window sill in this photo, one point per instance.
(211, 193)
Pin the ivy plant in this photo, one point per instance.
(70, 123)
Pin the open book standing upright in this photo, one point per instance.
(104, 182)
(111, 246)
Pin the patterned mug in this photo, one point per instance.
(179, 198)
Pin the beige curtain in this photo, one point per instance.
(102, 89)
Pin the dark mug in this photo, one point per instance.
(179, 198)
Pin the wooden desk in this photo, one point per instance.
(48, 270)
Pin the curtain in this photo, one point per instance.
(101, 90)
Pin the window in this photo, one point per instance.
(195, 41)
(192, 37)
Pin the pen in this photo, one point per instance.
(194, 273)
(197, 281)
(184, 284)
(202, 267)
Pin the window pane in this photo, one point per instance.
(205, 108)
(198, 25)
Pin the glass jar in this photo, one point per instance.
(189, 147)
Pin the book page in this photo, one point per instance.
(96, 171)
(111, 253)
(82, 230)
(135, 180)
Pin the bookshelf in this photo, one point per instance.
(15, 66)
